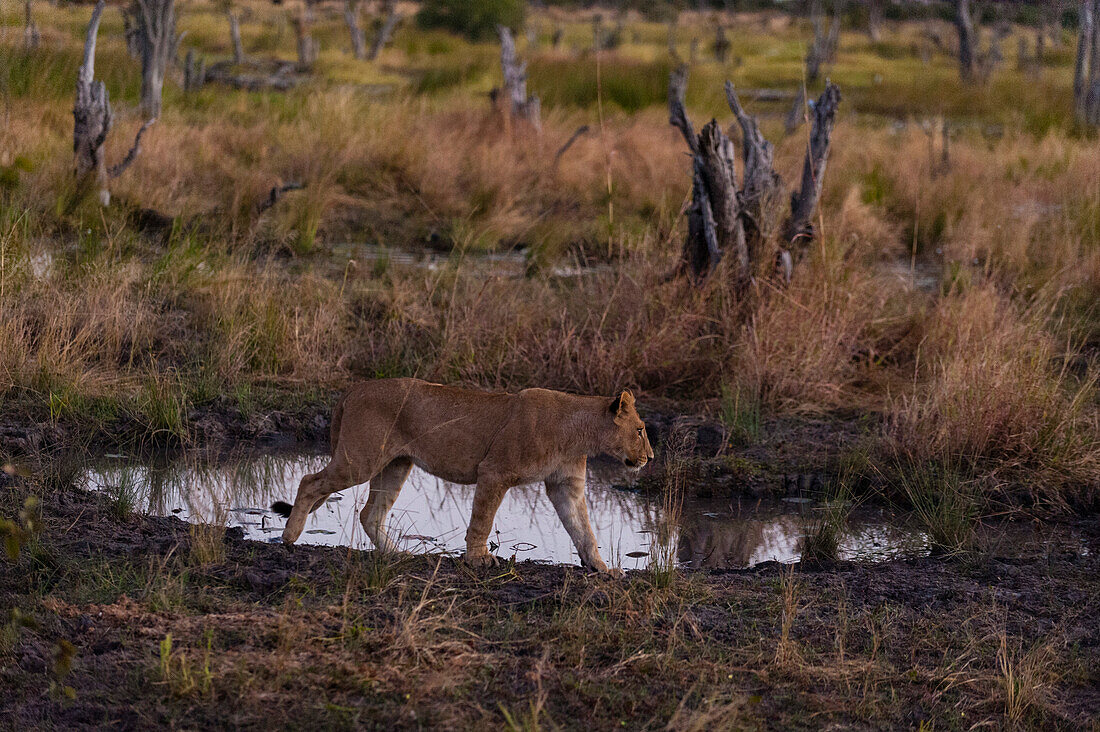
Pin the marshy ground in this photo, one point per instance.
(935, 355)
(136, 622)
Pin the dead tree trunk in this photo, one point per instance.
(235, 37)
(597, 32)
(92, 122)
(307, 47)
(874, 20)
(1086, 67)
(91, 117)
(31, 36)
(824, 46)
(520, 106)
(724, 221)
(390, 19)
(194, 72)
(129, 28)
(721, 44)
(358, 37)
(156, 36)
(964, 24)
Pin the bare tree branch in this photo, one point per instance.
(275, 194)
(583, 129)
(117, 170)
(677, 114)
(803, 203)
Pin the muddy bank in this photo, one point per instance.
(171, 626)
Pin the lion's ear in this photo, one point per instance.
(622, 402)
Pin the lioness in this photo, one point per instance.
(380, 429)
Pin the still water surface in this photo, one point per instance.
(431, 515)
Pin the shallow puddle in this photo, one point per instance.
(632, 529)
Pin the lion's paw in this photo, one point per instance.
(480, 560)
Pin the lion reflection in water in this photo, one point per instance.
(729, 542)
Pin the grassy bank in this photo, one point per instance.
(953, 304)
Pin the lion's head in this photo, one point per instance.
(627, 440)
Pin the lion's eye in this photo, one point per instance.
(640, 430)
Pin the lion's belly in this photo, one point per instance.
(449, 473)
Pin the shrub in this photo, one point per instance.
(475, 19)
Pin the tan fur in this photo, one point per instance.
(380, 429)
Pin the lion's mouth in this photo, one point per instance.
(636, 464)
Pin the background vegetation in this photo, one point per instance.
(952, 297)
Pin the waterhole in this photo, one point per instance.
(633, 530)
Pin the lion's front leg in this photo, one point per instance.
(566, 492)
(487, 499)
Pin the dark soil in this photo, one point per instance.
(171, 630)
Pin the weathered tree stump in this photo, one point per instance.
(520, 105)
(92, 122)
(743, 223)
(714, 225)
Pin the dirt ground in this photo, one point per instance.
(115, 620)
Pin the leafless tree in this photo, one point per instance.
(358, 37)
(964, 24)
(824, 46)
(92, 122)
(307, 46)
(1086, 73)
(235, 35)
(390, 19)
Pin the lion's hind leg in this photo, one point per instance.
(312, 492)
(384, 488)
